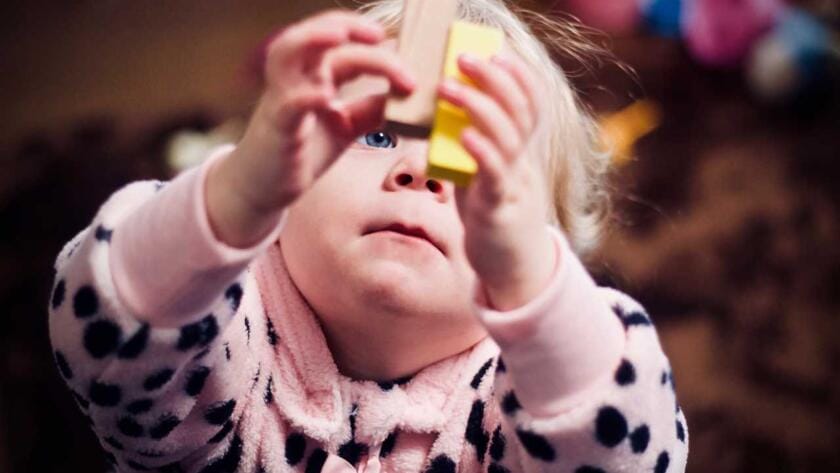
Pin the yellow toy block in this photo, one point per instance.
(447, 158)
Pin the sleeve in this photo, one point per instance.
(582, 382)
(145, 324)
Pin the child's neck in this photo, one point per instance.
(370, 353)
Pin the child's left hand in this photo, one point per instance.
(504, 208)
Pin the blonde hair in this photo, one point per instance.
(574, 166)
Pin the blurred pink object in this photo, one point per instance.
(615, 16)
(722, 32)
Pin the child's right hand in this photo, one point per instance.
(300, 126)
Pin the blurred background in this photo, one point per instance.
(725, 182)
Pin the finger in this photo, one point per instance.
(350, 26)
(322, 32)
(358, 116)
(526, 80)
(350, 61)
(290, 112)
(486, 114)
(500, 84)
(491, 167)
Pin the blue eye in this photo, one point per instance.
(377, 139)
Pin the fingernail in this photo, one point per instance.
(469, 60)
(450, 87)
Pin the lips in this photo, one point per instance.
(409, 230)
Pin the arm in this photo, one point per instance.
(140, 321)
(581, 382)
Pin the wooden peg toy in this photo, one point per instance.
(422, 45)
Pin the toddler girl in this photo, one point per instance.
(308, 300)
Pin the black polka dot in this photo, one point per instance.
(220, 412)
(662, 462)
(114, 443)
(630, 319)
(233, 294)
(135, 345)
(58, 294)
(129, 427)
(536, 445)
(353, 410)
(476, 381)
(195, 380)
(510, 404)
(256, 378)
(610, 426)
(497, 468)
(247, 330)
(268, 395)
(352, 451)
(157, 379)
(441, 464)
(103, 234)
(271, 333)
(625, 374)
(63, 366)
(85, 302)
(680, 431)
(388, 385)
(174, 467)
(137, 465)
(500, 366)
(589, 469)
(139, 406)
(104, 395)
(110, 458)
(229, 462)
(198, 334)
(151, 453)
(222, 433)
(664, 378)
(101, 338)
(497, 445)
(388, 445)
(227, 352)
(164, 426)
(475, 433)
(316, 461)
(640, 438)
(295, 448)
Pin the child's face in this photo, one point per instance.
(350, 269)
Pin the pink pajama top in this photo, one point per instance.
(188, 355)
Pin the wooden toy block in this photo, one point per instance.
(447, 158)
(422, 45)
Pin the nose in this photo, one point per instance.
(410, 173)
(406, 179)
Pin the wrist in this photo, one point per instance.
(527, 279)
(233, 220)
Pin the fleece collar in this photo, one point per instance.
(318, 400)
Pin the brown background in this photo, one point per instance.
(726, 222)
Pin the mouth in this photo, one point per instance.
(409, 230)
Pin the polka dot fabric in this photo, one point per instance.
(629, 422)
(244, 381)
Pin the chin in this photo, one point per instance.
(395, 286)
